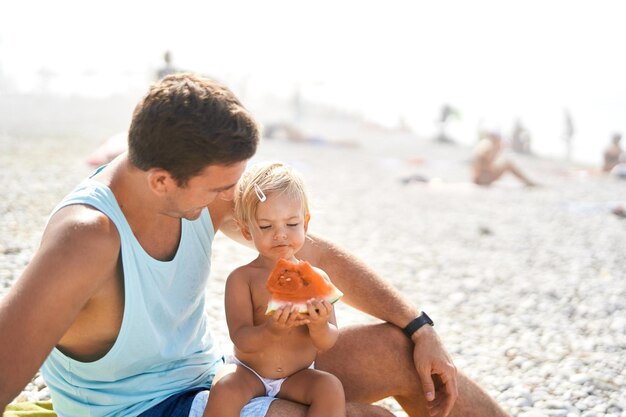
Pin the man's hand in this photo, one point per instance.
(436, 371)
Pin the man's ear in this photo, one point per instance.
(306, 222)
(160, 181)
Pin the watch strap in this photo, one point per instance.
(416, 324)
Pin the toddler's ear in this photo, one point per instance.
(306, 222)
(245, 231)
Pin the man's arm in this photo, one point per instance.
(78, 249)
(365, 290)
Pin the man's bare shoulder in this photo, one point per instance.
(83, 237)
(221, 212)
(222, 217)
(83, 223)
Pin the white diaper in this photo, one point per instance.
(272, 386)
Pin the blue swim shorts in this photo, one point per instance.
(192, 403)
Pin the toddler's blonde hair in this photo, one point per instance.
(264, 179)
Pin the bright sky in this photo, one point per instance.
(492, 60)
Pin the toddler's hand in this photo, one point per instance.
(287, 317)
(319, 311)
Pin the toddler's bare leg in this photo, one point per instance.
(233, 387)
(321, 390)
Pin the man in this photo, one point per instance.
(113, 299)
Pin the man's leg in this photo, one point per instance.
(282, 408)
(375, 362)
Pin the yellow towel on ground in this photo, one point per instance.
(29, 409)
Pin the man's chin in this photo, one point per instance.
(193, 214)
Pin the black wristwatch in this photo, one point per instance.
(417, 323)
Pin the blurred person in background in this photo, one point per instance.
(613, 154)
(488, 166)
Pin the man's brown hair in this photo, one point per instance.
(186, 122)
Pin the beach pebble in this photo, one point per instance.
(533, 413)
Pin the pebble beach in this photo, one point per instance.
(527, 286)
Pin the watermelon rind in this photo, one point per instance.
(275, 304)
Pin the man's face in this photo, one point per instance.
(215, 181)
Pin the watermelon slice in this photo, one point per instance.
(296, 283)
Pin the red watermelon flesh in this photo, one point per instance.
(297, 282)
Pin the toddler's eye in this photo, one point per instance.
(292, 224)
(264, 227)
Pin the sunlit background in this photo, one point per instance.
(394, 62)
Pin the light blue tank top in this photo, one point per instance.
(164, 345)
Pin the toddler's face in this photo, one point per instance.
(281, 227)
